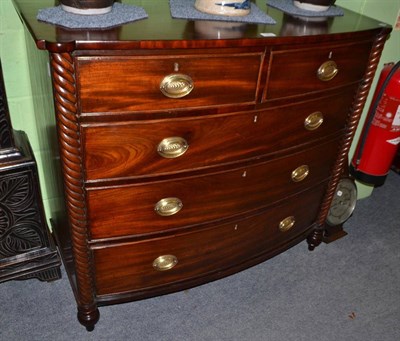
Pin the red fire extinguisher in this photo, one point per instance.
(380, 138)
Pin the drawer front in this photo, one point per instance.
(140, 208)
(118, 84)
(295, 72)
(129, 267)
(141, 148)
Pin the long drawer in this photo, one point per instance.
(128, 83)
(296, 72)
(146, 264)
(163, 205)
(130, 149)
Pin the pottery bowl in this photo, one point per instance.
(314, 5)
(224, 7)
(87, 7)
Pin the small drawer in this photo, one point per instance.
(136, 208)
(128, 83)
(148, 264)
(297, 72)
(146, 148)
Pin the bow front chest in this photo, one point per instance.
(188, 154)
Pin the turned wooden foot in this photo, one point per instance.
(88, 317)
(315, 238)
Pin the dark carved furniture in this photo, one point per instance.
(26, 247)
(188, 156)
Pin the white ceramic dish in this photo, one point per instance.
(222, 7)
(88, 11)
(310, 7)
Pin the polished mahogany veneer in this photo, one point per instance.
(141, 76)
(187, 156)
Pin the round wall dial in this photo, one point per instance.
(343, 202)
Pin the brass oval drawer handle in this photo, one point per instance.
(176, 85)
(172, 147)
(314, 120)
(168, 206)
(300, 173)
(327, 71)
(165, 262)
(287, 223)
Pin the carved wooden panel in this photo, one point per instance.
(26, 249)
(20, 221)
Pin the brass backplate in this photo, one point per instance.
(300, 173)
(165, 262)
(176, 85)
(172, 147)
(168, 206)
(327, 71)
(314, 120)
(287, 224)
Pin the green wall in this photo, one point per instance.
(29, 92)
(16, 73)
(29, 96)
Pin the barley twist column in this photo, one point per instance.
(69, 140)
(315, 238)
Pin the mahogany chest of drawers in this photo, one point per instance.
(187, 158)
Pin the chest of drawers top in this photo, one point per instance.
(161, 31)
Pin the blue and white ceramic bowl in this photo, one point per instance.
(314, 5)
(87, 7)
(224, 7)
